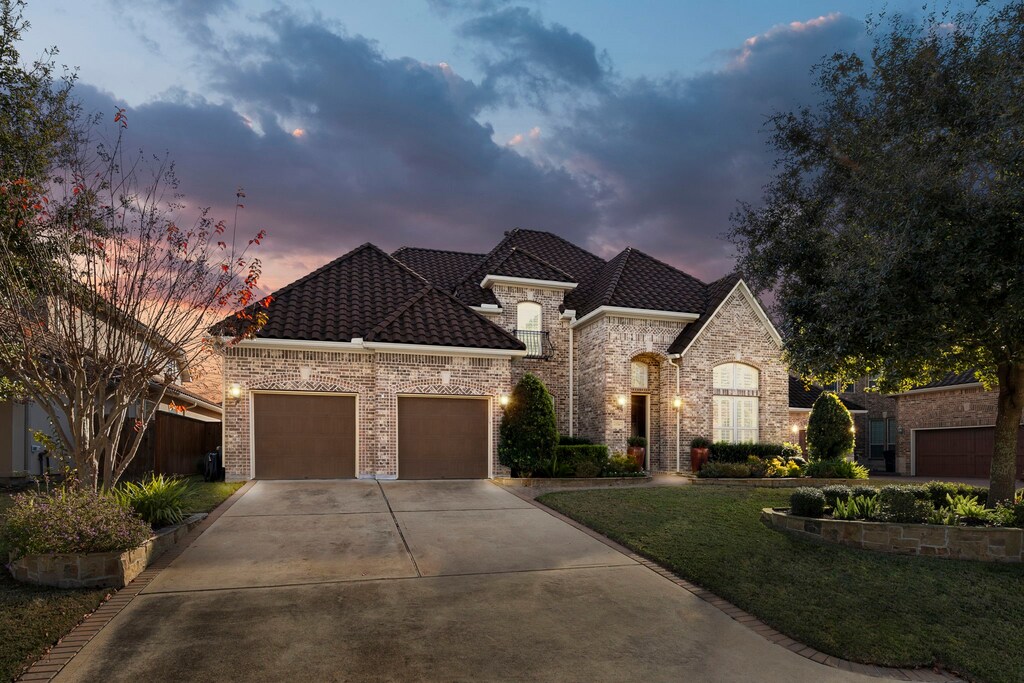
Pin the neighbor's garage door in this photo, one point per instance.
(442, 438)
(304, 436)
(965, 452)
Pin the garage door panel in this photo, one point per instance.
(443, 438)
(961, 452)
(298, 436)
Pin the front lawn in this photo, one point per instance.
(854, 604)
(32, 618)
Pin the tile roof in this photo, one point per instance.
(714, 294)
(635, 280)
(803, 396)
(367, 293)
(580, 264)
(953, 379)
(443, 269)
(520, 263)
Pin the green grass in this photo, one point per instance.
(854, 604)
(32, 618)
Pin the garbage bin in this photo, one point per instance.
(214, 466)
(890, 460)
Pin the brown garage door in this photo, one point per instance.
(304, 436)
(965, 452)
(442, 438)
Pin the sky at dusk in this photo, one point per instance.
(443, 123)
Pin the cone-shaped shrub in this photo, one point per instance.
(829, 429)
(528, 431)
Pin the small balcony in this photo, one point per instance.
(537, 343)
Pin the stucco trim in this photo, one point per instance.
(444, 350)
(490, 280)
(639, 313)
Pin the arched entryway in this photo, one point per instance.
(645, 405)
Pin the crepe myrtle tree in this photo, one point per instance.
(108, 295)
(891, 232)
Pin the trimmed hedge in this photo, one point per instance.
(585, 460)
(730, 470)
(566, 440)
(724, 451)
(938, 490)
(807, 501)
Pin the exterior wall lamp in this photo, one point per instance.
(235, 391)
(503, 400)
(795, 429)
(677, 403)
(622, 400)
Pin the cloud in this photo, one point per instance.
(447, 7)
(532, 57)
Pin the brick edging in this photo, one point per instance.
(57, 657)
(749, 620)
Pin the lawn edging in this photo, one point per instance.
(571, 482)
(777, 483)
(985, 544)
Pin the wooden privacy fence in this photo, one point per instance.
(173, 444)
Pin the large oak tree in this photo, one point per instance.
(892, 233)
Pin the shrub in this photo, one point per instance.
(836, 492)
(566, 440)
(584, 460)
(966, 510)
(904, 504)
(829, 429)
(71, 520)
(939, 491)
(700, 442)
(1007, 514)
(779, 468)
(159, 500)
(725, 451)
(861, 490)
(807, 501)
(621, 465)
(792, 450)
(758, 467)
(528, 432)
(728, 470)
(636, 442)
(836, 469)
(857, 507)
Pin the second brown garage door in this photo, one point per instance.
(442, 438)
(304, 436)
(963, 452)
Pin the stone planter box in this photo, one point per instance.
(987, 544)
(778, 483)
(571, 482)
(98, 570)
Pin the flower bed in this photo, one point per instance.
(775, 483)
(573, 482)
(987, 544)
(97, 570)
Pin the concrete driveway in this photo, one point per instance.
(408, 581)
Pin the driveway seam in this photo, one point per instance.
(750, 621)
(64, 650)
(401, 534)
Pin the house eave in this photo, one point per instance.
(638, 313)
(491, 279)
(929, 390)
(388, 347)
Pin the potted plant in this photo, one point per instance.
(699, 449)
(637, 449)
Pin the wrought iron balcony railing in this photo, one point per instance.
(537, 343)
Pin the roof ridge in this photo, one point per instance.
(557, 237)
(504, 240)
(669, 265)
(365, 245)
(439, 251)
(544, 262)
(395, 314)
(614, 284)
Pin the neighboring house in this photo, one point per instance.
(946, 429)
(801, 400)
(385, 366)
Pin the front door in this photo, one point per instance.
(638, 420)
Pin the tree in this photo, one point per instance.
(108, 286)
(528, 430)
(830, 434)
(891, 230)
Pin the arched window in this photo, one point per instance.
(638, 375)
(529, 329)
(735, 389)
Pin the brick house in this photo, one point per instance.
(396, 365)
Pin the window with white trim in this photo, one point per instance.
(639, 374)
(528, 316)
(735, 417)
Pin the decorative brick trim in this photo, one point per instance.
(749, 620)
(57, 657)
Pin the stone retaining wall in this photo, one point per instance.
(98, 570)
(988, 544)
(571, 482)
(778, 483)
